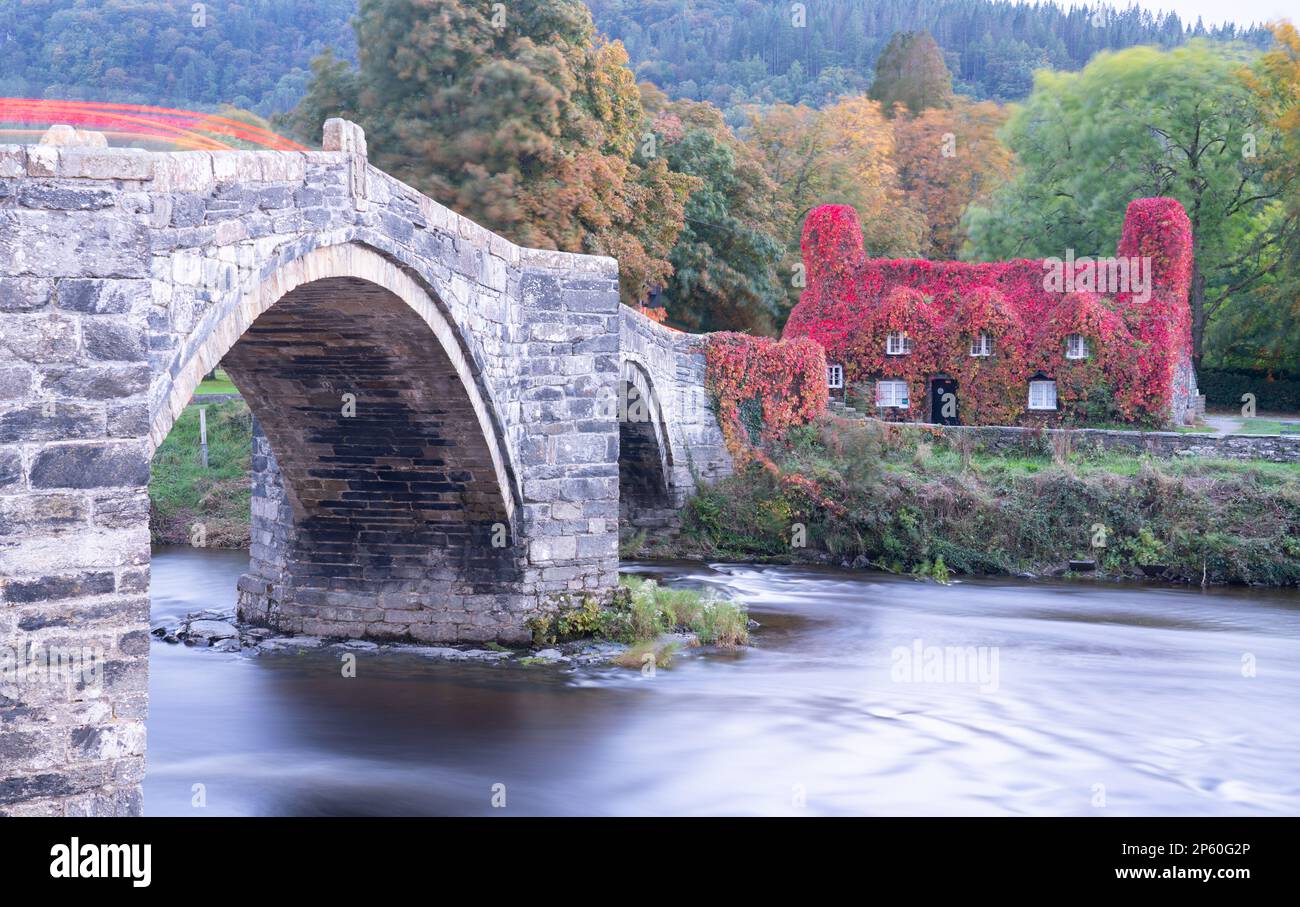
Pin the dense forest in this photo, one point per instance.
(252, 54)
(733, 52)
(255, 54)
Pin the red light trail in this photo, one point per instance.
(185, 128)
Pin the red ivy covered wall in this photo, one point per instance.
(1137, 346)
(763, 387)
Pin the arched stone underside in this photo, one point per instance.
(359, 262)
(376, 495)
(669, 439)
(644, 456)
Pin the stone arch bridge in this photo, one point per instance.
(450, 427)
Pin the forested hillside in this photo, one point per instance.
(255, 54)
(733, 52)
(541, 129)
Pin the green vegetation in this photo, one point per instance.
(1273, 392)
(184, 496)
(910, 499)
(643, 612)
(221, 384)
(657, 609)
(1178, 133)
(1266, 427)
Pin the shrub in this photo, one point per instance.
(721, 623)
(1226, 522)
(762, 388)
(1272, 394)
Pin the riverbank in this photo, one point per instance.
(191, 505)
(894, 497)
(908, 500)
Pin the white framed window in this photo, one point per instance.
(982, 345)
(892, 394)
(897, 343)
(1076, 347)
(1042, 394)
(835, 376)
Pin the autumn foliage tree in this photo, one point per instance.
(517, 117)
(843, 154)
(948, 158)
(1268, 334)
(726, 256)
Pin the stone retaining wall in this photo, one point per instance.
(1013, 439)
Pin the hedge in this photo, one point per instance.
(1272, 394)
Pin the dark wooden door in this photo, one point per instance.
(943, 402)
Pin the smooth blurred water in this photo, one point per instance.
(1138, 689)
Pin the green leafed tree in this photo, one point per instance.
(1264, 332)
(725, 260)
(1144, 122)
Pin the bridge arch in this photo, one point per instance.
(348, 261)
(383, 504)
(645, 460)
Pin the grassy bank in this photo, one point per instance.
(184, 496)
(905, 499)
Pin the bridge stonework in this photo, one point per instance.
(437, 447)
(679, 444)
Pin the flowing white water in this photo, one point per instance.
(1131, 696)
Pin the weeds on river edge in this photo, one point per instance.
(643, 612)
(904, 498)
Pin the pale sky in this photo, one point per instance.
(1243, 12)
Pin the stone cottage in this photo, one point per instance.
(1069, 340)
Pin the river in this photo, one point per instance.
(1082, 698)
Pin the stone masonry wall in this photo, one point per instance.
(1167, 444)
(124, 277)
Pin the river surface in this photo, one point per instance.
(1077, 699)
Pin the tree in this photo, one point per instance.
(1143, 123)
(518, 119)
(947, 159)
(1264, 331)
(333, 92)
(841, 155)
(911, 72)
(726, 257)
